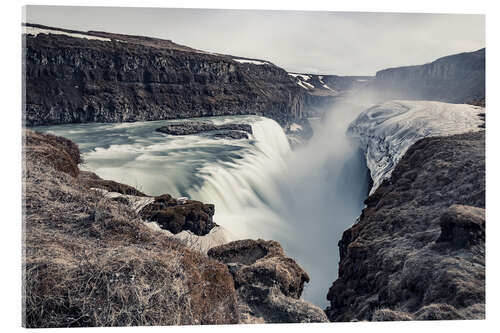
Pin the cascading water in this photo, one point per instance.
(245, 191)
(304, 199)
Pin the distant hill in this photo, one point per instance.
(324, 90)
(457, 78)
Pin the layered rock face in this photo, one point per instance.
(103, 77)
(458, 78)
(269, 284)
(417, 251)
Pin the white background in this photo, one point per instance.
(10, 159)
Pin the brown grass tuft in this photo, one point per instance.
(60, 153)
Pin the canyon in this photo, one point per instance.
(193, 153)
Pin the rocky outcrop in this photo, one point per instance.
(458, 78)
(269, 284)
(462, 226)
(418, 250)
(176, 215)
(235, 135)
(197, 127)
(78, 77)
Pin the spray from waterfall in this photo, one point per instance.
(304, 199)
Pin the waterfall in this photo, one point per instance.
(245, 190)
(304, 198)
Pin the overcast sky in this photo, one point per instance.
(311, 42)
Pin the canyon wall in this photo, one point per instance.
(458, 78)
(418, 251)
(77, 77)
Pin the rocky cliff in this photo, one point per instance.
(458, 78)
(74, 77)
(417, 251)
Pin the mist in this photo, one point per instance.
(325, 194)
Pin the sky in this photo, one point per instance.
(341, 43)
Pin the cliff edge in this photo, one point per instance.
(418, 249)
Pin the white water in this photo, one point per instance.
(304, 199)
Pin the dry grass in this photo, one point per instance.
(391, 315)
(91, 261)
(60, 153)
(91, 180)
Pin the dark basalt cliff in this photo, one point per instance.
(131, 78)
(417, 251)
(458, 78)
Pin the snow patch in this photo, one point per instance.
(308, 85)
(136, 202)
(217, 236)
(302, 76)
(301, 83)
(246, 61)
(35, 31)
(295, 127)
(327, 87)
(386, 131)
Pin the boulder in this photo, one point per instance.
(463, 226)
(176, 216)
(197, 127)
(269, 284)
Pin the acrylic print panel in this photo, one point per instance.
(196, 166)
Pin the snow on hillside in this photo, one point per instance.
(302, 76)
(301, 80)
(35, 31)
(386, 131)
(246, 61)
(307, 82)
(305, 85)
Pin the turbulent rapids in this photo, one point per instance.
(261, 188)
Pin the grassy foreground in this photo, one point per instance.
(91, 261)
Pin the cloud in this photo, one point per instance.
(343, 43)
